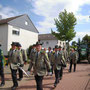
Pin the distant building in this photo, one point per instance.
(17, 29)
(50, 40)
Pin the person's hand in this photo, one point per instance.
(28, 72)
(49, 73)
(21, 65)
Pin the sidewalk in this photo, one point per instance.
(79, 80)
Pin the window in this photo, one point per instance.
(15, 32)
(42, 42)
(26, 23)
(47, 42)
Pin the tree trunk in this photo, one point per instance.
(68, 48)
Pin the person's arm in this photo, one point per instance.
(30, 65)
(47, 61)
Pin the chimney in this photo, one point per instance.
(0, 17)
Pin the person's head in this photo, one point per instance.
(72, 49)
(56, 48)
(13, 45)
(34, 46)
(45, 49)
(49, 49)
(60, 48)
(38, 46)
(19, 46)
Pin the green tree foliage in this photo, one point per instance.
(65, 25)
(86, 39)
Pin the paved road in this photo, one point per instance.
(79, 80)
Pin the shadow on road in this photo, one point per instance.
(5, 88)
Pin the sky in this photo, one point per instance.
(43, 12)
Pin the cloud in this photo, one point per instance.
(50, 9)
(7, 12)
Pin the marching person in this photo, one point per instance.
(50, 58)
(57, 65)
(24, 60)
(65, 54)
(63, 61)
(32, 54)
(2, 68)
(73, 59)
(33, 50)
(40, 64)
(14, 59)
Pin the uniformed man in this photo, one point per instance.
(73, 59)
(14, 59)
(65, 53)
(2, 68)
(24, 60)
(63, 60)
(50, 53)
(33, 50)
(57, 65)
(40, 63)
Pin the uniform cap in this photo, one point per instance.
(14, 44)
(19, 45)
(38, 43)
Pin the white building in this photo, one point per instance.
(17, 29)
(50, 40)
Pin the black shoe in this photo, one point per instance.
(60, 78)
(2, 84)
(19, 79)
(14, 87)
(55, 84)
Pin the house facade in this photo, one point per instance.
(17, 29)
(49, 40)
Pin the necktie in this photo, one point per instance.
(36, 57)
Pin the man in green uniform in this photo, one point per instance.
(2, 68)
(40, 63)
(15, 60)
(24, 60)
(50, 53)
(57, 65)
(73, 59)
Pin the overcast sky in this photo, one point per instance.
(43, 12)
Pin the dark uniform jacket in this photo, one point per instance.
(40, 64)
(74, 57)
(1, 59)
(14, 58)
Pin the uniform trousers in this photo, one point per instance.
(39, 80)
(2, 75)
(57, 72)
(61, 72)
(14, 77)
(70, 68)
(20, 73)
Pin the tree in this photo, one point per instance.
(74, 43)
(86, 39)
(65, 27)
